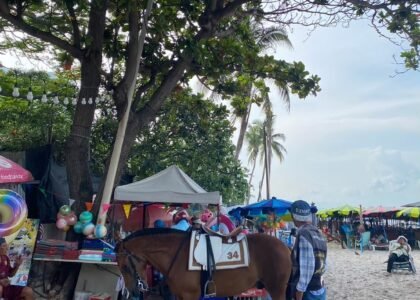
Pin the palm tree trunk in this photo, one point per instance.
(266, 162)
(250, 181)
(261, 185)
(242, 130)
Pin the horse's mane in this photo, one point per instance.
(154, 231)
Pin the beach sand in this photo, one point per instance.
(363, 277)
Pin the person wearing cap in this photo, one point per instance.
(309, 255)
(8, 291)
(399, 251)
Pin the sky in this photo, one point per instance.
(358, 141)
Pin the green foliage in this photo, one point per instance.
(194, 134)
(27, 124)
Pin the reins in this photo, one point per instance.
(179, 250)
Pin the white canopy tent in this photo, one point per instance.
(171, 185)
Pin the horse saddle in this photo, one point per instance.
(235, 235)
(227, 254)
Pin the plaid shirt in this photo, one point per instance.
(306, 266)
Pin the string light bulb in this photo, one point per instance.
(74, 101)
(44, 98)
(90, 100)
(66, 101)
(15, 91)
(30, 95)
(55, 100)
(83, 101)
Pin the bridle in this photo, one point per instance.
(140, 284)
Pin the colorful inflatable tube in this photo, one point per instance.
(224, 220)
(13, 212)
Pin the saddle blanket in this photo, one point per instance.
(226, 255)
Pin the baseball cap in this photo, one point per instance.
(301, 211)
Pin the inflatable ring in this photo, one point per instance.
(223, 219)
(13, 212)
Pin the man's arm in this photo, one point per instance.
(306, 264)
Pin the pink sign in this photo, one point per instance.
(11, 172)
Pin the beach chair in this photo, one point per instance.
(405, 265)
(364, 241)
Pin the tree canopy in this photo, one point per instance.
(211, 40)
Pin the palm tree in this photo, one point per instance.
(254, 140)
(258, 134)
(266, 37)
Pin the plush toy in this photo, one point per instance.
(206, 215)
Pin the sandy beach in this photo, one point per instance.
(363, 277)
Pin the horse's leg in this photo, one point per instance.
(189, 296)
(278, 292)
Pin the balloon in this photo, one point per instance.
(71, 219)
(78, 227)
(88, 228)
(65, 210)
(100, 231)
(85, 217)
(61, 223)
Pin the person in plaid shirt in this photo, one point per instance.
(308, 257)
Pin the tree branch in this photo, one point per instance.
(19, 23)
(74, 23)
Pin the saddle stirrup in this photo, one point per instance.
(209, 283)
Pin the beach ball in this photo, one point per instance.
(65, 210)
(71, 219)
(88, 229)
(61, 223)
(78, 227)
(86, 217)
(100, 231)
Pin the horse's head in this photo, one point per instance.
(133, 269)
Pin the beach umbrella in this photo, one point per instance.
(323, 214)
(277, 206)
(380, 211)
(346, 210)
(11, 172)
(410, 212)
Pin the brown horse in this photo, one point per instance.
(167, 250)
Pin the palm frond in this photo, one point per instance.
(272, 35)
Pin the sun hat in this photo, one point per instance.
(301, 211)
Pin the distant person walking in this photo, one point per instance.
(308, 257)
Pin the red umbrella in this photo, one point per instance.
(11, 172)
(380, 211)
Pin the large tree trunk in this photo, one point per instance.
(77, 148)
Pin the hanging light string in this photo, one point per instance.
(46, 96)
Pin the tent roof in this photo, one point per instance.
(171, 185)
(415, 204)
